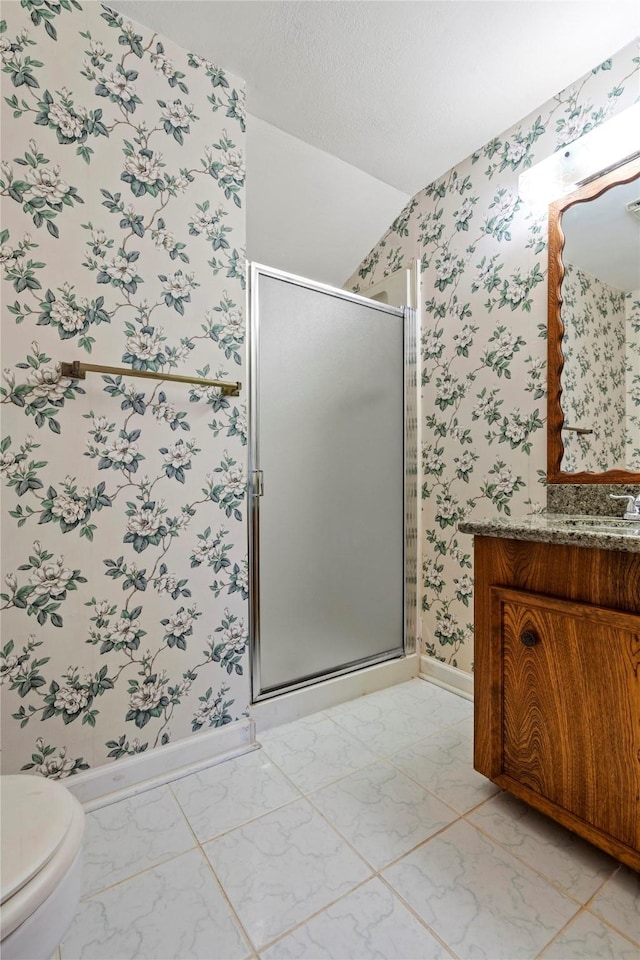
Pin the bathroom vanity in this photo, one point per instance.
(557, 671)
(557, 597)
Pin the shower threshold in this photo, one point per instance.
(313, 698)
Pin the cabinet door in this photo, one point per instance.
(571, 706)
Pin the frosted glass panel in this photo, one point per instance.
(330, 404)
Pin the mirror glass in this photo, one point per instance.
(601, 338)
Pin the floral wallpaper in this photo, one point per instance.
(594, 374)
(632, 389)
(482, 254)
(124, 595)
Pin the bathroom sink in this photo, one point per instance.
(600, 524)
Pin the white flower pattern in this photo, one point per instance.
(133, 549)
(109, 472)
(482, 258)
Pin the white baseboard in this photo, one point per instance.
(329, 693)
(448, 677)
(133, 775)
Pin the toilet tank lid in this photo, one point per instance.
(35, 817)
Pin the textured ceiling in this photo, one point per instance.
(402, 90)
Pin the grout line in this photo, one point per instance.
(230, 906)
(525, 863)
(246, 823)
(197, 846)
(604, 922)
(160, 862)
(283, 936)
(420, 919)
(184, 816)
(161, 780)
(459, 816)
(560, 932)
(308, 719)
(387, 758)
(290, 930)
(537, 870)
(379, 758)
(138, 873)
(608, 923)
(363, 742)
(243, 823)
(308, 796)
(344, 839)
(329, 783)
(376, 874)
(589, 902)
(423, 843)
(432, 793)
(589, 906)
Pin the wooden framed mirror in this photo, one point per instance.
(593, 369)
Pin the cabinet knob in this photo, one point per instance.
(529, 638)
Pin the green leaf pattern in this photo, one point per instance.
(125, 501)
(601, 347)
(482, 256)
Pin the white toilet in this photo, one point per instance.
(42, 826)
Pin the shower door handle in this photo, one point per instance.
(258, 483)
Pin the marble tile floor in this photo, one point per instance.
(359, 832)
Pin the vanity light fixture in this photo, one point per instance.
(600, 150)
(633, 207)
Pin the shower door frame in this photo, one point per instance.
(254, 480)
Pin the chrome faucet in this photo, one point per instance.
(633, 505)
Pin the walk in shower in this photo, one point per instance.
(332, 559)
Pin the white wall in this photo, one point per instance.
(307, 211)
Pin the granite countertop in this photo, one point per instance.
(604, 533)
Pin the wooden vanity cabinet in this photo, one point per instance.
(557, 684)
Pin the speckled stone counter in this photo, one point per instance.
(588, 499)
(604, 533)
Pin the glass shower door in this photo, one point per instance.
(327, 481)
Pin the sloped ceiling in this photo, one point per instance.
(308, 212)
(355, 106)
(401, 90)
